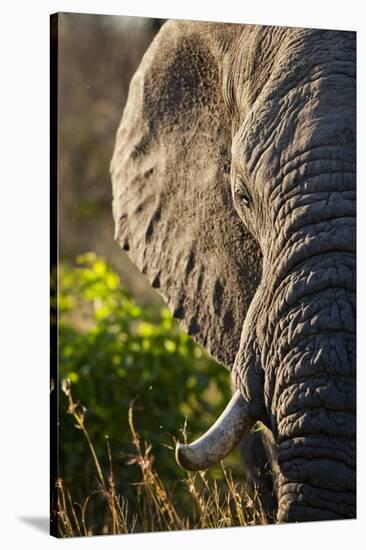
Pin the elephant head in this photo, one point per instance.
(234, 192)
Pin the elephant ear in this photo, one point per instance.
(172, 202)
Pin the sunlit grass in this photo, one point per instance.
(212, 505)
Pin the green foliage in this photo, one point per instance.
(113, 351)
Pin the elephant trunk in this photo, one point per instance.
(308, 356)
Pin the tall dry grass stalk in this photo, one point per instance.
(212, 506)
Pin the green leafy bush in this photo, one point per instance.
(114, 351)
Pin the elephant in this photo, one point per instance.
(234, 192)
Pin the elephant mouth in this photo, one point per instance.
(223, 436)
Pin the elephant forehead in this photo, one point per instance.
(291, 81)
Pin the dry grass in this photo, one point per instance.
(212, 505)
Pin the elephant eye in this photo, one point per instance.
(227, 167)
(241, 194)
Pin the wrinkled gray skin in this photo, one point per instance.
(234, 192)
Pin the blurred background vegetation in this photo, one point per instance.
(98, 56)
(117, 341)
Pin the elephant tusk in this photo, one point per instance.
(233, 423)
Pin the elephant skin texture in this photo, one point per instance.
(234, 191)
